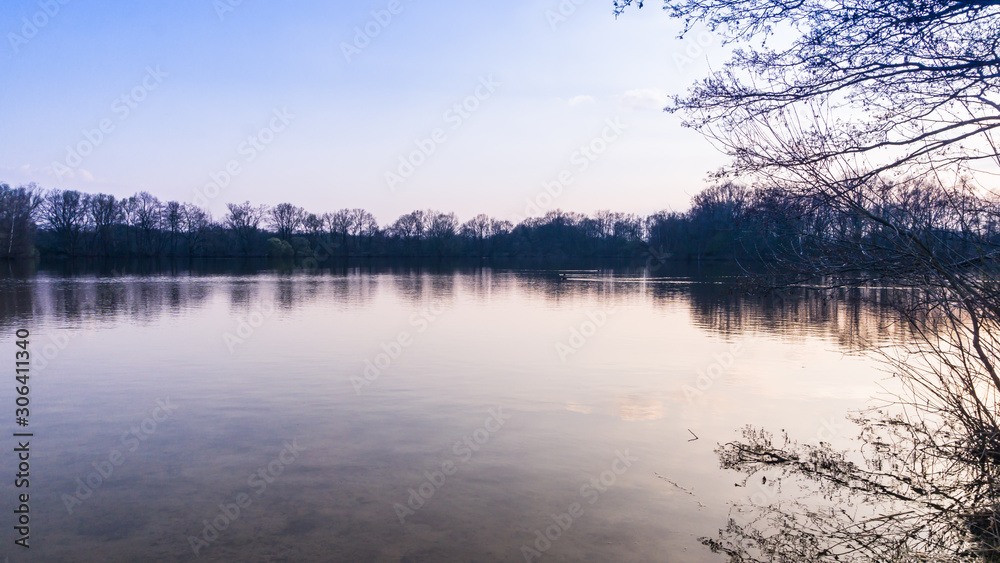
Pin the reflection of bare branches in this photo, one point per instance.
(688, 491)
(928, 487)
(917, 499)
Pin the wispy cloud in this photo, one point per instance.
(643, 99)
(48, 173)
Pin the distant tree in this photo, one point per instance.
(441, 231)
(478, 229)
(173, 221)
(358, 219)
(278, 248)
(65, 213)
(419, 222)
(367, 227)
(411, 229)
(500, 227)
(286, 219)
(145, 214)
(339, 225)
(196, 225)
(313, 225)
(19, 209)
(717, 215)
(603, 223)
(244, 219)
(668, 236)
(442, 225)
(105, 215)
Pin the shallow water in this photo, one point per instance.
(404, 415)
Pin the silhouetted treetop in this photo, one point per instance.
(852, 87)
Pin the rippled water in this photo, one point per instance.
(404, 415)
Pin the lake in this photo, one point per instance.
(410, 414)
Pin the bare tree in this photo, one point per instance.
(19, 209)
(358, 217)
(105, 214)
(412, 228)
(441, 231)
(865, 88)
(173, 220)
(313, 225)
(478, 228)
(65, 212)
(286, 219)
(367, 226)
(339, 225)
(244, 219)
(144, 213)
(500, 227)
(196, 224)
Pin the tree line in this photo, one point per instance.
(727, 221)
(70, 223)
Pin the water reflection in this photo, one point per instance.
(855, 317)
(457, 342)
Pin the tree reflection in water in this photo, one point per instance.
(924, 484)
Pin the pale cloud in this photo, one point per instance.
(48, 172)
(580, 100)
(644, 99)
(25, 173)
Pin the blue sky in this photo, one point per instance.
(389, 105)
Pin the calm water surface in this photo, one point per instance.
(406, 415)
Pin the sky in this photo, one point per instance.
(507, 108)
